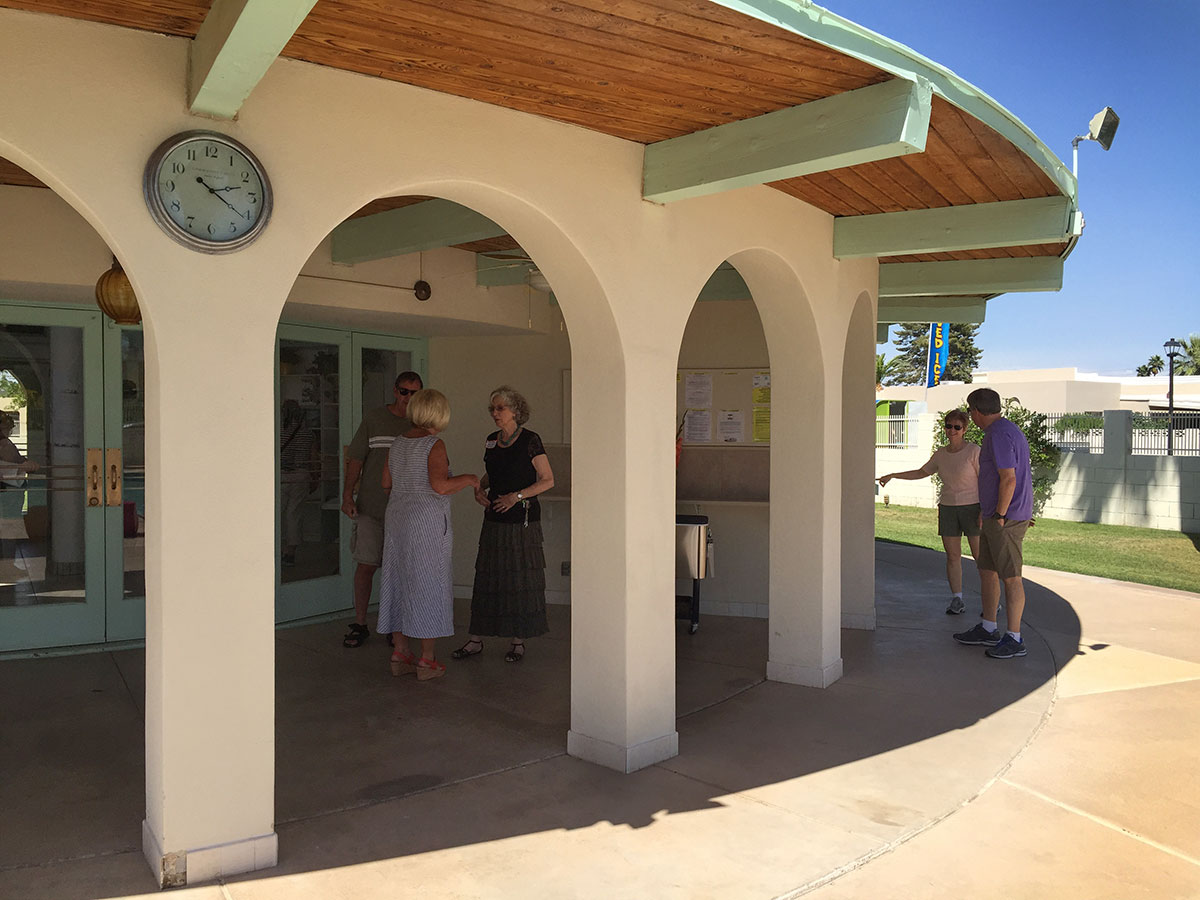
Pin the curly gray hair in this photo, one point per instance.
(514, 400)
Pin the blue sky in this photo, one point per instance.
(1131, 282)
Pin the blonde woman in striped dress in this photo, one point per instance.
(416, 596)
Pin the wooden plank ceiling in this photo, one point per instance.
(642, 70)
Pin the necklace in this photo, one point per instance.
(508, 443)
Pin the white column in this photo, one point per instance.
(210, 651)
(622, 543)
(858, 467)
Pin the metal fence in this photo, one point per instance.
(896, 432)
(1077, 432)
(1150, 434)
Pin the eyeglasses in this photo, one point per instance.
(493, 409)
(950, 427)
(404, 392)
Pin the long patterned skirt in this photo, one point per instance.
(509, 599)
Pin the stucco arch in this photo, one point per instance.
(858, 460)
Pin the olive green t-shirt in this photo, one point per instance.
(371, 444)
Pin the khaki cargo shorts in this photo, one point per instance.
(1000, 547)
(366, 541)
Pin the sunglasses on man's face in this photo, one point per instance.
(404, 392)
(950, 427)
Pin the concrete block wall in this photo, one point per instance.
(1111, 488)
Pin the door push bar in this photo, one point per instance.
(103, 490)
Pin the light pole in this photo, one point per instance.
(1172, 347)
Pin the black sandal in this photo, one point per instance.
(356, 636)
(462, 652)
(512, 655)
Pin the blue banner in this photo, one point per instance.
(939, 353)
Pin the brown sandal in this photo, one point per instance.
(428, 669)
(403, 663)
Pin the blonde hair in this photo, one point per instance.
(428, 408)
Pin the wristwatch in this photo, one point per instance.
(999, 515)
(519, 497)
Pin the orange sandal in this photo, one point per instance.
(403, 663)
(429, 668)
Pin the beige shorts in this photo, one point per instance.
(1000, 547)
(366, 541)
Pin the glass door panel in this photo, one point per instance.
(125, 508)
(51, 479)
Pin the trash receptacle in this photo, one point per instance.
(691, 561)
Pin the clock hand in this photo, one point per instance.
(216, 193)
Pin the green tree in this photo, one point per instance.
(1043, 454)
(912, 345)
(1154, 365)
(885, 370)
(1188, 361)
(11, 388)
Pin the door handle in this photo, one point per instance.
(115, 476)
(95, 462)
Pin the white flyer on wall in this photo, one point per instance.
(698, 390)
(697, 427)
(731, 426)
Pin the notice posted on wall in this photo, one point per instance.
(762, 424)
(698, 390)
(761, 388)
(697, 426)
(731, 426)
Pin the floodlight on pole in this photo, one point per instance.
(1102, 129)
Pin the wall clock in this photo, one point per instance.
(207, 191)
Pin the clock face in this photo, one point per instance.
(207, 191)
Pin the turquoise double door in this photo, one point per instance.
(72, 471)
(72, 479)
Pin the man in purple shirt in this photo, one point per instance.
(1005, 510)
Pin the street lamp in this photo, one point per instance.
(1102, 129)
(1172, 347)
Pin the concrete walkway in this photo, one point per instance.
(928, 770)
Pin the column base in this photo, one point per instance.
(182, 867)
(623, 759)
(859, 621)
(809, 676)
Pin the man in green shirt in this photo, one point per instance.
(366, 458)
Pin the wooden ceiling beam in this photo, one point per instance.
(957, 310)
(961, 277)
(977, 226)
(422, 226)
(236, 44)
(865, 125)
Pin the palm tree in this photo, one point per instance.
(1188, 361)
(886, 370)
(1154, 366)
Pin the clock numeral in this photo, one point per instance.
(233, 227)
(211, 152)
(175, 206)
(189, 222)
(178, 168)
(245, 178)
(253, 197)
(170, 186)
(231, 160)
(191, 154)
(211, 230)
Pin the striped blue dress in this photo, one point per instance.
(416, 596)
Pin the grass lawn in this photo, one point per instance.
(1143, 555)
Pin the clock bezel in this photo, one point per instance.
(156, 204)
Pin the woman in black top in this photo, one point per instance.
(509, 598)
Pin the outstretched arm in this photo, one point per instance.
(439, 472)
(910, 475)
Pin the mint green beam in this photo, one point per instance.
(960, 310)
(968, 277)
(831, 30)
(493, 272)
(872, 123)
(1011, 223)
(422, 226)
(236, 44)
(725, 284)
